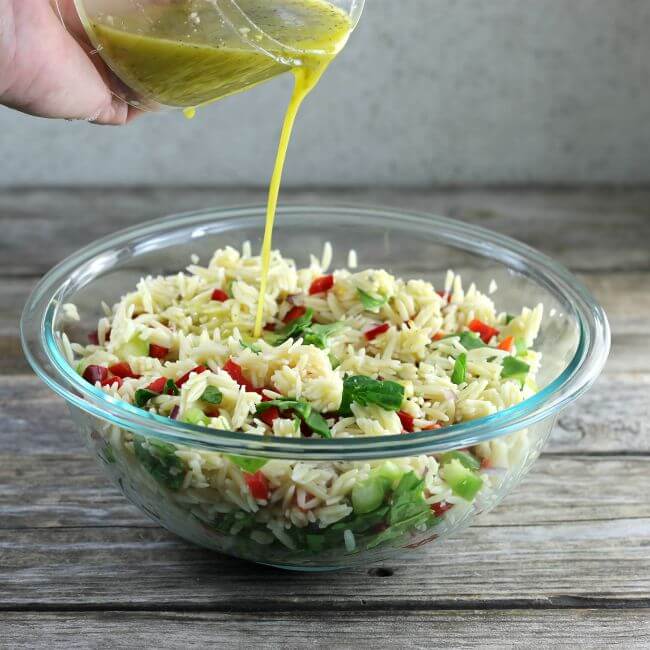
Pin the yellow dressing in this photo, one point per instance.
(306, 79)
(185, 55)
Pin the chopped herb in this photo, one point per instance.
(161, 461)
(471, 341)
(142, 396)
(294, 328)
(317, 335)
(229, 289)
(250, 346)
(363, 390)
(249, 464)
(334, 361)
(362, 523)
(171, 388)
(514, 368)
(407, 509)
(212, 395)
(370, 302)
(460, 369)
(408, 499)
(318, 424)
(509, 318)
(311, 333)
(314, 420)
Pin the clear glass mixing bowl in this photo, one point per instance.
(574, 340)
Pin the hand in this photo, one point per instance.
(45, 71)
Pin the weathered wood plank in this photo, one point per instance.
(576, 226)
(39, 491)
(584, 628)
(613, 417)
(600, 563)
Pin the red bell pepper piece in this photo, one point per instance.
(198, 370)
(440, 508)
(270, 415)
(376, 331)
(123, 370)
(406, 420)
(236, 372)
(483, 330)
(220, 295)
(438, 336)
(293, 313)
(322, 284)
(506, 344)
(257, 484)
(158, 351)
(158, 385)
(111, 381)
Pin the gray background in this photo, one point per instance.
(428, 92)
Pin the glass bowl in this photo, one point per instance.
(574, 340)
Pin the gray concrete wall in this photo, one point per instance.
(427, 92)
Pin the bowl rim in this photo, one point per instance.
(42, 347)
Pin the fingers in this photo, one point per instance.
(52, 75)
(117, 113)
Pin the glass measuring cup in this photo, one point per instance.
(185, 53)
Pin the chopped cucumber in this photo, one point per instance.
(389, 471)
(463, 482)
(248, 463)
(521, 346)
(463, 457)
(134, 347)
(369, 494)
(195, 415)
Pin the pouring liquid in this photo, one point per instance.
(185, 55)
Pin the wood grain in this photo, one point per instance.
(600, 564)
(575, 226)
(297, 630)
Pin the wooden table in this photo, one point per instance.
(564, 562)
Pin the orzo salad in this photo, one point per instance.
(345, 353)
